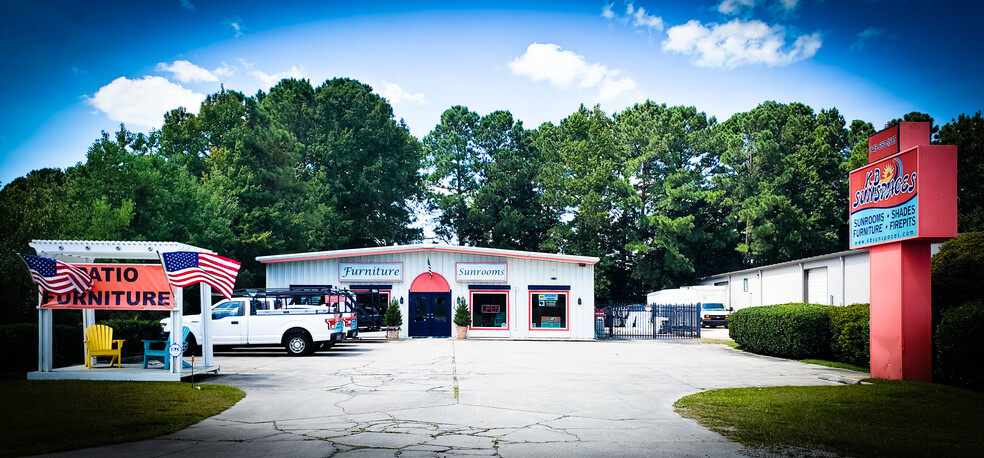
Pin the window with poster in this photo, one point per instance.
(548, 310)
(490, 309)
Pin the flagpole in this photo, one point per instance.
(177, 323)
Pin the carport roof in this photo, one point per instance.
(77, 250)
(426, 247)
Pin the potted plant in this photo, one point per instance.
(462, 318)
(393, 320)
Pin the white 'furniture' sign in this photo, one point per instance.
(370, 271)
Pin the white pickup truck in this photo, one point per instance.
(250, 321)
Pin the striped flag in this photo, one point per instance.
(184, 268)
(57, 277)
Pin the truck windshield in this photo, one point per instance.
(712, 306)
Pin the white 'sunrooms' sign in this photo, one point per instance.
(370, 271)
(480, 271)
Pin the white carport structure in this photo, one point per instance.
(90, 251)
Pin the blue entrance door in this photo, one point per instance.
(430, 315)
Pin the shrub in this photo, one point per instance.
(850, 334)
(958, 346)
(461, 316)
(789, 330)
(21, 341)
(393, 317)
(134, 331)
(957, 272)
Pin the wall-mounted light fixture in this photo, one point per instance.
(579, 301)
(401, 299)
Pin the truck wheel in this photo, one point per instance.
(298, 344)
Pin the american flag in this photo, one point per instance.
(185, 268)
(57, 277)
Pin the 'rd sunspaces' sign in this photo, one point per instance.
(884, 203)
(370, 271)
(480, 271)
(118, 287)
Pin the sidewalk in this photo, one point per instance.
(444, 397)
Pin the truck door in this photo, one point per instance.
(229, 325)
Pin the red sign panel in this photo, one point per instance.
(910, 195)
(490, 309)
(900, 137)
(118, 287)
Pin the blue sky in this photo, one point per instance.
(73, 69)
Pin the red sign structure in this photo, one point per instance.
(118, 287)
(903, 200)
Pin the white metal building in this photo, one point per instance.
(510, 294)
(841, 278)
(833, 279)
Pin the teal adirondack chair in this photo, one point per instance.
(161, 353)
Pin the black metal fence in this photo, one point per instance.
(640, 321)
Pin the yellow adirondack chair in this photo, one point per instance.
(99, 342)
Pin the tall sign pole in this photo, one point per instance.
(901, 202)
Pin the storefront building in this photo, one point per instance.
(510, 294)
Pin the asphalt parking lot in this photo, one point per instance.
(446, 397)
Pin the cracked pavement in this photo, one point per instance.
(445, 397)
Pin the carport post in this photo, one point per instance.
(206, 343)
(177, 328)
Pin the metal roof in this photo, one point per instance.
(106, 249)
(794, 262)
(426, 247)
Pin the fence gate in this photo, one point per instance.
(640, 321)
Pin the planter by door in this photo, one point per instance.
(462, 332)
(430, 306)
(393, 333)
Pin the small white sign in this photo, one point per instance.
(174, 350)
(480, 271)
(370, 271)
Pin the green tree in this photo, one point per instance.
(679, 234)
(31, 207)
(455, 169)
(507, 211)
(584, 183)
(967, 132)
(783, 185)
(857, 140)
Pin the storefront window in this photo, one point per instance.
(548, 310)
(489, 309)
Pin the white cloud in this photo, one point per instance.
(397, 95)
(565, 69)
(143, 101)
(607, 12)
(732, 7)
(735, 6)
(641, 19)
(865, 37)
(188, 5)
(738, 43)
(224, 70)
(187, 72)
(236, 23)
(638, 16)
(271, 80)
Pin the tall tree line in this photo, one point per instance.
(661, 194)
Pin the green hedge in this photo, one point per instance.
(850, 334)
(789, 330)
(21, 343)
(959, 351)
(134, 332)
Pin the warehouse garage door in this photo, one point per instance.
(816, 286)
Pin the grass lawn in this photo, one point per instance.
(49, 416)
(885, 418)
